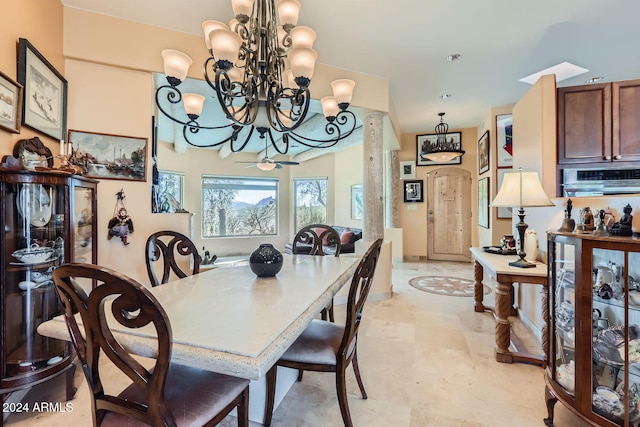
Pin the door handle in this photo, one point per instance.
(618, 157)
(607, 157)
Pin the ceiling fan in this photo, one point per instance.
(267, 163)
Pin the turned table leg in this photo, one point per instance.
(478, 286)
(503, 327)
(545, 325)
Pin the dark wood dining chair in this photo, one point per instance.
(318, 239)
(168, 394)
(328, 347)
(171, 249)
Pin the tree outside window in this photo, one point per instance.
(239, 206)
(170, 191)
(310, 198)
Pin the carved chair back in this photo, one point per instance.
(320, 237)
(171, 249)
(132, 306)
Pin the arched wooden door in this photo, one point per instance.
(449, 214)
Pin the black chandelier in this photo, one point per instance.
(443, 149)
(260, 73)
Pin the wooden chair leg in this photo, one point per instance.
(341, 388)
(271, 395)
(356, 370)
(300, 372)
(323, 314)
(331, 318)
(243, 409)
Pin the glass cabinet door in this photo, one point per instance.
(34, 239)
(563, 271)
(609, 332)
(82, 223)
(633, 348)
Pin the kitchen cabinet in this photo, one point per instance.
(594, 338)
(598, 124)
(48, 219)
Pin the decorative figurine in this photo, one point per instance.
(601, 230)
(586, 220)
(623, 227)
(121, 224)
(208, 258)
(568, 224)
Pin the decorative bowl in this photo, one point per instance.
(33, 255)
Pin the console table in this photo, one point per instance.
(499, 269)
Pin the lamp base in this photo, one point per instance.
(522, 263)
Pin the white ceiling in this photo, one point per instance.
(407, 41)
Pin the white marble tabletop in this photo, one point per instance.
(229, 321)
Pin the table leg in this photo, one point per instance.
(478, 286)
(503, 327)
(513, 311)
(545, 325)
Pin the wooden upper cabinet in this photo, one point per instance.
(626, 121)
(584, 124)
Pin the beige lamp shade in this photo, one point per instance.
(288, 11)
(302, 37)
(266, 166)
(225, 45)
(303, 61)
(208, 27)
(242, 7)
(329, 106)
(343, 90)
(193, 103)
(176, 64)
(441, 156)
(521, 189)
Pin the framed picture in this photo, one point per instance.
(504, 140)
(10, 104)
(483, 153)
(503, 212)
(107, 156)
(424, 142)
(413, 192)
(407, 170)
(45, 92)
(357, 201)
(483, 202)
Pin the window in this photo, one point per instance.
(239, 206)
(170, 191)
(310, 201)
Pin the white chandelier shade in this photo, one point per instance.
(260, 73)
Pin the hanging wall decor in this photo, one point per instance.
(121, 224)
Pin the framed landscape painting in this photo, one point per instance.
(45, 92)
(107, 156)
(10, 104)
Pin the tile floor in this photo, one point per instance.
(426, 360)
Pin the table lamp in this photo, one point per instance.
(521, 189)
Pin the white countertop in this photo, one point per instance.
(229, 321)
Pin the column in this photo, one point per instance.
(392, 201)
(373, 178)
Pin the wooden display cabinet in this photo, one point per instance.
(594, 310)
(48, 219)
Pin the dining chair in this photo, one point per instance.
(318, 239)
(168, 394)
(172, 249)
(327, 347)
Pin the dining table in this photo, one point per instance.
(230, 321)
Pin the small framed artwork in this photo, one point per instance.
(483, 153)
(413, 192)
(504, 140)
(503, 212)
(107, 156)
(10, 104)
(45, 92)
(407, 170)
(483, 202)
(357, 201)
(426, 142)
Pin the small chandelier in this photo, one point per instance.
(260, 73)
(443, 150)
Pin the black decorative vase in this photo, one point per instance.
(266, 261)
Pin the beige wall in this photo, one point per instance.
(40, 22)
(414, 222)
